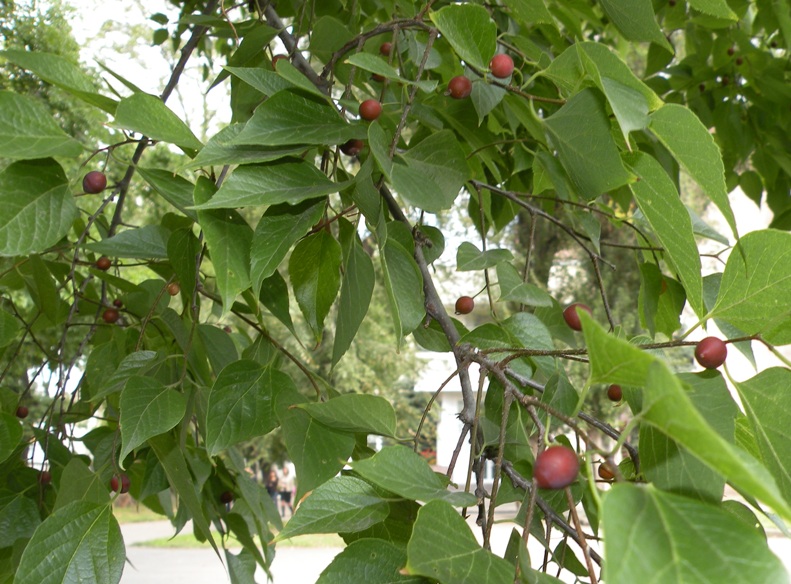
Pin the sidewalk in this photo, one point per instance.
(292, 565)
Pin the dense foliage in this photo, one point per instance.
(169, 344)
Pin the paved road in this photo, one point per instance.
(292, 565)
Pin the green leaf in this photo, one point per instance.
(355, 412)
(369, 561)
(222, 149)
(318, 452)
(148, 408)
(292, 117)
(768, 406)
(36, 207)
(148, 115)
(755, 292)
(629, 106)
(81, 541)
(61, 72)
(635, 20)
(170, 455)
(530, 11)
(136, 363)
(694, 148)
(718, 8)
(146, 242)
(599, 62)
(670, 467)
(19, 516)
(404, 285)
(357, 287)
(469, 258)
(267, 82)
(241, 404)
(28, 131)
(658, 199)
(579, 128)
(174, 189)
(667, 407)
(431, 174)
(80, 483)
(377, 65)
(280, 227)
(9, 327)
(470, 31)
(400, 470)
(10, 434)
(514, 289)
(443, 548)
(274, 295)
(228, 237)
(688, 541)
(314, 269)
(343, 504)
(284, 181)
(241, 568)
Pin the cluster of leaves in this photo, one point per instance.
(169, 390)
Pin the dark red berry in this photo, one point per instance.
(121, 480)
(501, 66)
(464, 305)
(226, 497)
(118, 303)
(94, 182)
(711, 352)
(104, 263)
(738, 61)
(572, 318)
(459, 87)
(111, 315)
(614, 393)
(605, 472)
(386, 49)
(45, 477)
(370, 109)
(277, 58)
(556, 467)
(353, 147)
(377, 77)
(22, 412)
(174, 288)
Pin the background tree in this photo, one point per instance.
(357, 128)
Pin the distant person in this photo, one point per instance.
(287, 487)
(271, 484)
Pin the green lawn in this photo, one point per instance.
(136, 514)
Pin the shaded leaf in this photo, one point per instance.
(357, 286)
(292, 117)
(443, 548)
(81, 541)
(241, 404)
(400, 470)
(579, 128)
(694, 148)
(10, 434)
(470, 31)
(148, 115)
(368, 561)
(469, 258)
(688, 541)
(283, 181)
(36, 207)
(280, 227)
(342, 504)
(146, 242)
(355, 412)
(28, 131)
(148, 408)
(314, 270)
